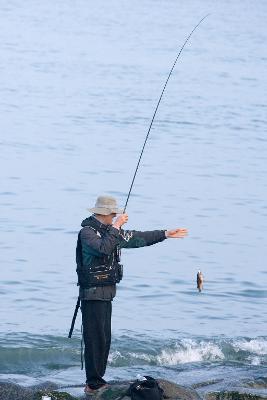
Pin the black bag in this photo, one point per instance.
(101, 275)
(148, 389)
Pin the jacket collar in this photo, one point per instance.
(94, 223)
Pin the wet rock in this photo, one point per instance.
(55, 395)
(234, 395)
(176, 392)
(257, 383)
(206, 383)
(45, 386)
(9, 391)
(172, 391)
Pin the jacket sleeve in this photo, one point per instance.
(134, 239)
(103, 245)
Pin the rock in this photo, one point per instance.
(251, 390)
(234, 395)
(176, 392)
(53, 394)
(258, 383)
(172, 391)
(45, 386)
(206, 383)
(9, 391)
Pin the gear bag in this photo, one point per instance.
(147, 389)
(99, 276)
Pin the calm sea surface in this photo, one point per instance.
(79, 82)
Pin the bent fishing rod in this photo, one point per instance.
(156, 109)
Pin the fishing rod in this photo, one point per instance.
(156, 109)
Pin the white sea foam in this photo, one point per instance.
(184, 352)
(142, 356)
(255, 346)
(190, 351)
(114, 356)
(255, 360)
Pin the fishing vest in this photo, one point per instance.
(108, 272)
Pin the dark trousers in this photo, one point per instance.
(96, 319)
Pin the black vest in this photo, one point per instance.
(108, 272)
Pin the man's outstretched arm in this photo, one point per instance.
(134, 239)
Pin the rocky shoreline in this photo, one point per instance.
(172, 391)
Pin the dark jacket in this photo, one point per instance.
(96, 247)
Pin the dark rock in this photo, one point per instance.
(172, 391)
(234, 395)
(9, 391)
(45, 386)
(258, 383)
(206, 383)
(176, 392)
(53, 394)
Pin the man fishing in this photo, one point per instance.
(99, 270)
(98, 255)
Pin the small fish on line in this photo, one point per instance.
(200, 280)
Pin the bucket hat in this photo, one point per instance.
(105, 205)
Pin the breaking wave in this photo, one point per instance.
(191, 351)
(184, 351)
(36, 353)
(255, 346)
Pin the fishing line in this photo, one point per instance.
(156, 109)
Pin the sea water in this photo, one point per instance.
(79, 84)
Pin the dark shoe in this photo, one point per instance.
(91, 392)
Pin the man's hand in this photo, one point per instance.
(120, 220)
(179, 233)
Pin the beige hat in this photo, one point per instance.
(105, 205)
